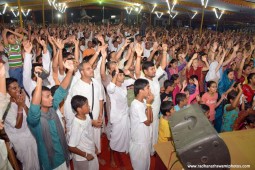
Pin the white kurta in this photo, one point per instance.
(82, 137)
(22, 139)
(119, 116)
(140, 142)
(155, 89)
(85, 89)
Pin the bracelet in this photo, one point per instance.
(148, 105)
(20, 112)
(97, 52)
(86, 154)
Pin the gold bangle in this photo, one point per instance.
(148, 105)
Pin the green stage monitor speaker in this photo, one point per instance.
(197, 144)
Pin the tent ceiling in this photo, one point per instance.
(236, 8)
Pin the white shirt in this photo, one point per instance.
(81, 137)
(155, 89)
(211, 74)
(118, 97)
(140, 133)
(85, 89)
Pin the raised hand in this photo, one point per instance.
(138, 49)
(155, 46)
(164, 46)
(69, 65)
(42, 42)
(27, 46)
(59, 43)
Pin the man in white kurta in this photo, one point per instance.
(119, 116)
(155, 90)
(86, 86)
(85, 89)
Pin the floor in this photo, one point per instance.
(125, 157)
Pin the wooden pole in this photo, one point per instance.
(43, 13)
(202, 21)
(20, 15)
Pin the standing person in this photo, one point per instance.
(141, 117)
(16, 126)
(119, 117)
(167, 110)
(45, 125)
(90, 88)
(194, 69)
(81, 141)
(13, 50)
(231, 110)
(4, 101)
(226, 81)
(152, 75)
(210, 99)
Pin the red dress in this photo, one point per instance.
(248, 92)
(198, 72)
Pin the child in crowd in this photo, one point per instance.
(210, 98)
(167, 95)
(81, 141)
(231, 110)
(167, 109)
(181, 101)
(192, 89)
(177, 86)
(206, 110)
(13, 49)
(141, 117)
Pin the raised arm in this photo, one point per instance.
(235, 103)
(102, 67)
(139, 51)
(66, 82)
(20, 36)
(191, 60)
(240, 70)
(206, 67)
(119, 53)
(27, 78)
(164, 59)
(221, 61)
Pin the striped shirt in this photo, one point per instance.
(14, 55)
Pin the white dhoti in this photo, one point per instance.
(4, 163)
(97, 138)
(87, 165)
(120, 135)
(140, 155)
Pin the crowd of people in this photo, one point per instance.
(61, 87)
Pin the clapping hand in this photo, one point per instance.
(69, 65)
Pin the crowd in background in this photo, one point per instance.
(61, 87)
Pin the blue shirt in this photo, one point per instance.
(34, 123)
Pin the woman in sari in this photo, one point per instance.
(225, 83)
